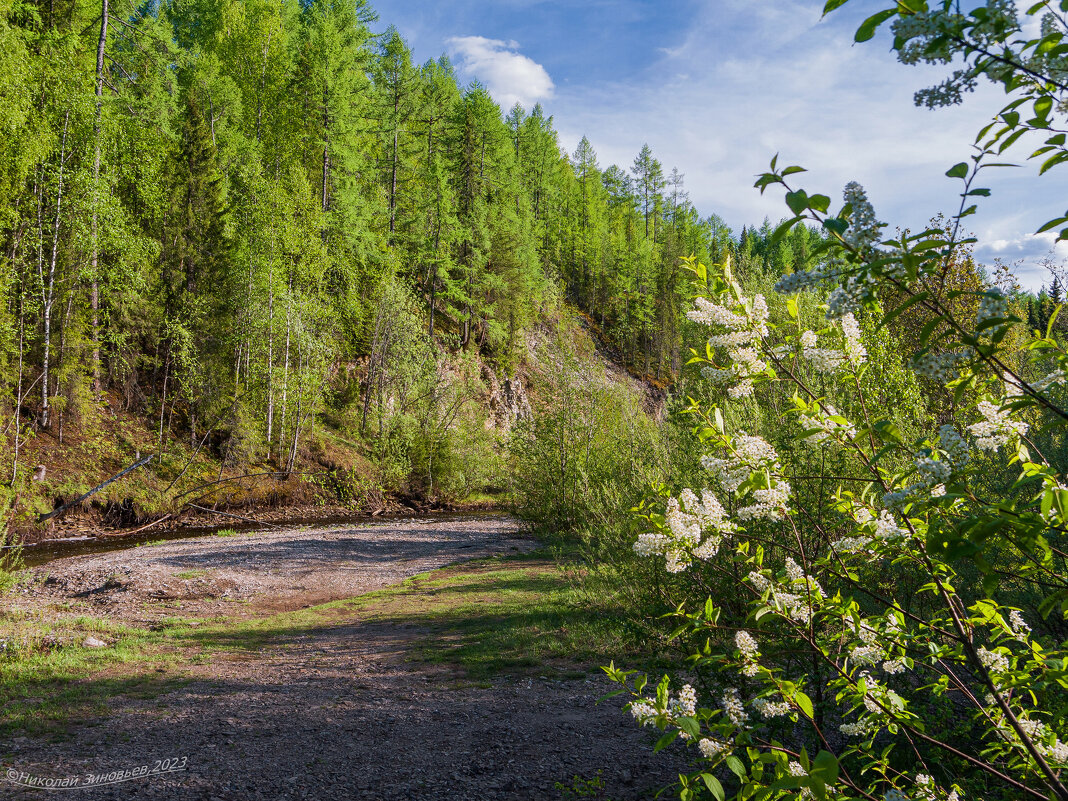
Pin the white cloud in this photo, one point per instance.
(509, 76)
(752, 80)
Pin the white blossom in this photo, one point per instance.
(863, 229)
(771, 709)
(1044, 383)
(993, 306)
(684, 704)
(643, 711)
(731, 700)
(939, 367)
(1020, 629)
(993, 660)
(996, 427)
(747, 645)
(855, 351)
(709, 313)
(711, 748)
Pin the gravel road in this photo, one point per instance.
(339, 712)
(274, 570)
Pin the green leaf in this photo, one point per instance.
(711, 782)
(665, 741)
(804, 702)
(1052, 224)
(831, 5)
(957, 170)
(736, 766)
(893, 314)
(784, 227)
(868, 27)
(797, 201)
(819, 202)
(836, 225)
(825, 766)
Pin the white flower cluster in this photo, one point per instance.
(742, 330)
(750, 651)
(795, 606)
(684, 704)
(939, 367)
(877, 699)
(709, 313)
(711, 748)
(644, 711)
(795, 769)
(1045, 740)
(871, 651)
(855, 351)
(996, 427)
(953, 456)
(884, 528)
(771, 709)
(670, 707)
(731, 700)
(823, 360)
(927, 790)
(827, 427)
(1044, 383)
(993, 306)
(688, 519)
(847, 298)
(830, 360)
(854, 284)
(1020, 630)
(863, 229)
(994, 661)
(829, 272)
(749, 455)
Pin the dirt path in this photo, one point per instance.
(337, 711)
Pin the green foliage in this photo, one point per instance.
(568, 475)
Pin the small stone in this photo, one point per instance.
(93, 642)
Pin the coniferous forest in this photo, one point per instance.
(234, 220)
(795, 495)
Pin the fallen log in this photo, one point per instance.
(64, 507)
(236, 517)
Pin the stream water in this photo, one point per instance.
(43, 552)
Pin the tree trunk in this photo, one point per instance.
(270, 350)
(326, 166)
(393, 187)
(48, 288)
(18, 391)
(285, 372)
(94, 292)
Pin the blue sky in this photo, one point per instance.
(717, 87)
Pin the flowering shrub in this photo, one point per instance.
(881, 656)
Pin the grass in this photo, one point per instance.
(502, 615)
(519, 614)
(225, 532)
(191, 574)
